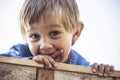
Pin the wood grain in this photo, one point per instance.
(16, 72)
(21, 69)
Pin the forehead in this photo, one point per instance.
(46, 22)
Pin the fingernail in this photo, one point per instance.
(110, 72)
(105, 75)
(61, 50)
(55, 65)
(49, 66)
(100, 74)
(94, 70)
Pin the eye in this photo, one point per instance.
(35, 37)
(55, 34)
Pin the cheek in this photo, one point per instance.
(65, 44)
(66, 49)
(33, 49)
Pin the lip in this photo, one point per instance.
(46, 52)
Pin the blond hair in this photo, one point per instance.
(35, 10)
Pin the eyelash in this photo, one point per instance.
(55, 33)
(34, 36)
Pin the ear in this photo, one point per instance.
(78, 32)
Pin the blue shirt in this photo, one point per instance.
(22, 51)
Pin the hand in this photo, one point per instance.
(102, 69)
(47, 60)
(57, 56)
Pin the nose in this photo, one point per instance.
(45, 45)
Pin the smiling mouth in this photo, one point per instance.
(47, 52)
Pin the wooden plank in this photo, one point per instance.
(45, 74)
(16, 72)
(61, 66)
(64, 75)
(82, 69)
(19, 61)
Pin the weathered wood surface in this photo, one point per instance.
(21, 69)
(16, 72)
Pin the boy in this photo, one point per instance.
(50, 28)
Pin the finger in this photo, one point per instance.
(111, 69)
(107, 70)
(54, 55)
(37, 59)
(95, 67)
(47, 62)
(101, 69)
(53, 63)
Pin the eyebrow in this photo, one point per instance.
(52, 25)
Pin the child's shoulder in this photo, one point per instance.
(21, 47)
(17, 50)
(78, 59)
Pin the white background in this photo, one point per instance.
(99, 41)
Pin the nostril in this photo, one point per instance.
(45, 46)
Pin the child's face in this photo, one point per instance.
(47, 38)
